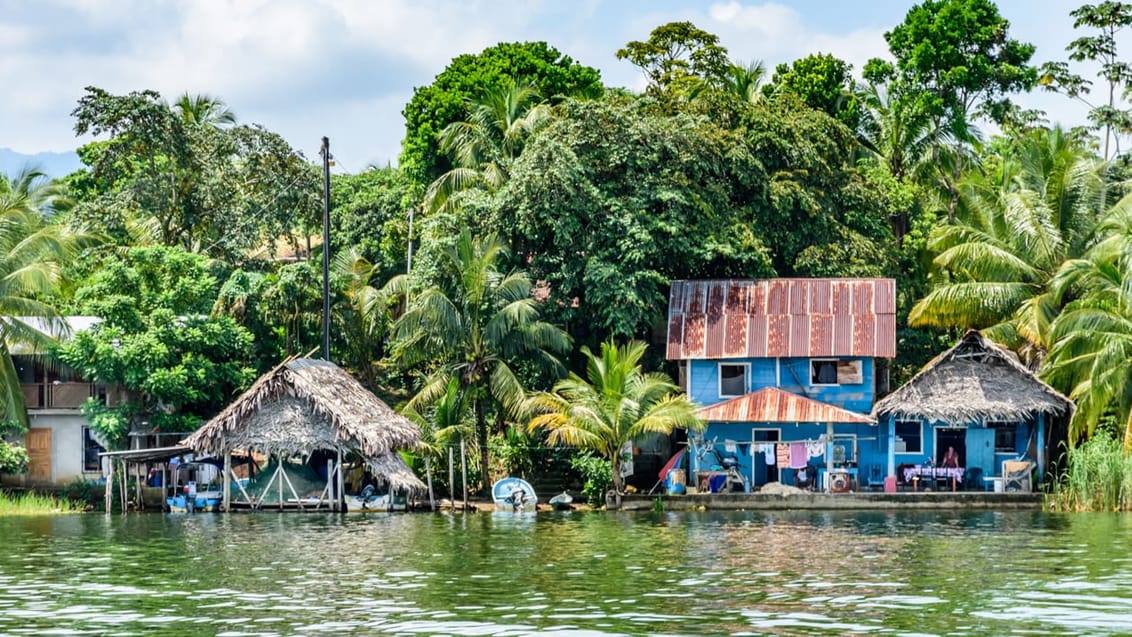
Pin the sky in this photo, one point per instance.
(346, 68)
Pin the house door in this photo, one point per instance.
(762, 470)
(980, 449)
(39, 455)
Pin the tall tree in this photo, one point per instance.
(678, 57)
(615, 403)
(158, 341)
(821, 81)
(219, 191)
(476, 326)
(435, 106)
(1107, 19)
(956, 61)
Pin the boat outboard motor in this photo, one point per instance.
(518, 499)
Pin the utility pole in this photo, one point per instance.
(326, 249)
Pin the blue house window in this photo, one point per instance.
(823, 372)
(733, 379)
(1005, 436)
(909, 436)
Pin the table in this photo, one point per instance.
(912, 474)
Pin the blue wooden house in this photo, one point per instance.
(787, 371)
(978, 399)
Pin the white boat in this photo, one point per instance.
(515, 494)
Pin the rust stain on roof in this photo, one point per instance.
(782, 317)
(775, 405)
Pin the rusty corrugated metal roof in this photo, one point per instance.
(782, 317)
(772, 404)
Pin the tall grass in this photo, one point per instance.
(30, 503)
(1098, 477)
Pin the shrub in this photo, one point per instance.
(13, 458)
(597, 476)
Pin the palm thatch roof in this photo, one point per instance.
(976, 380)
(305, 405)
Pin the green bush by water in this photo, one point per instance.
(1097, 477)
(597, 477)
(31, 503)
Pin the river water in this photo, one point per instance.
(591, 573)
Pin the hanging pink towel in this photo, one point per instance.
(797, 455)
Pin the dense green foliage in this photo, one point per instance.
(158, 341)
(821, 82)
(178, 180)
(435, 106)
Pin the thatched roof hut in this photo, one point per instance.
(305, 405)
(974, 381)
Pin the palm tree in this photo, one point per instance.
(363, 320)
(204, 110)
(500, 119)
(895, 133)
(614, 404)
(475, 329)
(1015, 228)
(744, 80)
(1091, 356)
(33, 252)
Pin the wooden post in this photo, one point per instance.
(331, 482)
(451, 480)
(123, 485)
(227, 479)
(279, 470)
(164, 483)
(109, 483)
(428, 474)
(339, 501)
(464, 473)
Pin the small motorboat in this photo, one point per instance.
(562, 502)
(514, 493)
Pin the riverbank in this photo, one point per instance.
(961, 500)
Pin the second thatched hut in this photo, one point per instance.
(980, 400)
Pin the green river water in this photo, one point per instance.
(592, 573)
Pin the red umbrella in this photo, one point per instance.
(672, 462)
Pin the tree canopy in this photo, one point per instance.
(444, 101)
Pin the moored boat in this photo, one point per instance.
(514, 493)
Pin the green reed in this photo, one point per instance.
(1097, 477)
(31, 503)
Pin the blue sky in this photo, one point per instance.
(346, 68)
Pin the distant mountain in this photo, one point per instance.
(54, 164)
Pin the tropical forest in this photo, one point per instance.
(513, 267)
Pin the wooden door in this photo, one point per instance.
(39, 455)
